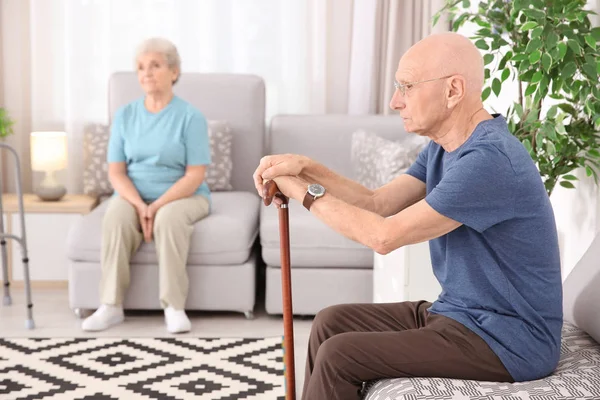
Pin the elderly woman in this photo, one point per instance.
(157, 155)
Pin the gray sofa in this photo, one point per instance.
(327, 268)
(576, 377)
(222, 260)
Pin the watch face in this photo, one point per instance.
(316, 190)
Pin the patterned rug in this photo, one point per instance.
(141, 368)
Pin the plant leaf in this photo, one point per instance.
(562, 50)
(527, 26)
(588, 171)
(546, 62)
(533, 45)
(567, 184)
(535, 57)
(570, 177)
(486, 93)
(537, 32)
(569, 70)
(481, 44)
(551, 40)
(530, 89)
(590, 70)
(537, 77)
(505, 74)
(488, 58)
(591, 41)
(496, 86)
(519, 110)
(574, 45)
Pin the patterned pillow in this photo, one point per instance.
(95, 144)
(95, 167)
(218, 173)
(377, 161)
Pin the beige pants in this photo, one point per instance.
(121, 237)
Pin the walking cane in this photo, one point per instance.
(271, 190)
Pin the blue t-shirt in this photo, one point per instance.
(157, 147)
(500, 271)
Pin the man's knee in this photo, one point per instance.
(331, 317)
(333, 353)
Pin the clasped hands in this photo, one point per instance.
(285, 170)
(146, 214)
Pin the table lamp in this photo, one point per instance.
(49, 154)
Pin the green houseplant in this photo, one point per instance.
(5, 124)
(551, 49)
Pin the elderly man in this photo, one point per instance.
(476, 195)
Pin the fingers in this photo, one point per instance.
(257, 176)
(148, 232)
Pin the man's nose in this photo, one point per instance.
(397, 101)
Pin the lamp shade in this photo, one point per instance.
(48, 151)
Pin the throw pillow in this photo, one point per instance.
(95, 143)
(218, 173)
(95, 167)
(377, 161)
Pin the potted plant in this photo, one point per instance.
(5, 124)
(551, 49)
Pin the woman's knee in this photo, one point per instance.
(169, 217)
(119, 215)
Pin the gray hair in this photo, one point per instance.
(163, 46)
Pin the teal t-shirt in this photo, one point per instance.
(499, 271)
(157, 147)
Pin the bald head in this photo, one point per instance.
(446, 54)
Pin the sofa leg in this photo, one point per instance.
(249, 314)
(81, 312)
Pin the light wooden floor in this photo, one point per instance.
(53, 318)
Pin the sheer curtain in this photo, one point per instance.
(59, 54)
(316, 56)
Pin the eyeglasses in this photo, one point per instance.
(404, 86)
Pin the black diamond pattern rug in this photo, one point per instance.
(141, 368)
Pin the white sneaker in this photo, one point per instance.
(177, 321)
(104, 317)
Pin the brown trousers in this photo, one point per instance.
(353, 343)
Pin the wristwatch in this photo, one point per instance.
(313, 193)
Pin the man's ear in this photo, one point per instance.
(456, 90)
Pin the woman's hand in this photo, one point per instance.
(146, 214)
(274, 166)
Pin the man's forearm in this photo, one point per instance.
(125, 188)
(341, 187)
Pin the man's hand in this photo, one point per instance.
(291, 187)
(271, 167)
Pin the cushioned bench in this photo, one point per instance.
(576, 377)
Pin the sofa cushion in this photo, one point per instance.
(377, 161)
(576, 377)
(224, 237)
(312, 242)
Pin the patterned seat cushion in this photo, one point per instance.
(576, 377)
